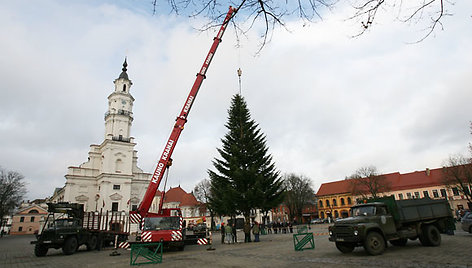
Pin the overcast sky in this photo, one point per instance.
(328, 103)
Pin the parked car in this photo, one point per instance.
(316, 221)
(466, 222)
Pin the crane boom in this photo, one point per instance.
(164, 161)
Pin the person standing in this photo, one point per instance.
(222, 232)
(228, 233)
(256, 230)
(235, 238)
(247, 232)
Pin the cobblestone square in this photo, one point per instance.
(274, 250)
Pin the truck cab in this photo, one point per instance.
(371, 215)
(63, 228)
(165, 227)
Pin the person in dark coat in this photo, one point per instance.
(235, 238)
(247, 232)
(222, 229)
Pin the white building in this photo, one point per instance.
(110, 179)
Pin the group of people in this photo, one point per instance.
(279, 227)
(228, 232)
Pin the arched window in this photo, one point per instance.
(33, 211)
(124, 88)
(336, 214)
(322, 215)
(348, 200)
(327, 203)
(335, 203)
(118, 166)
(321, 204)
(342, 202)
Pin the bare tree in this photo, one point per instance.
(367, 182)
(470, 144)
(457, 173)
(12, 190)
(299, 193)
(274, 13)
(414, 11)
(269, 13)
(202, 193)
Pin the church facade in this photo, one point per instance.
(111, 178)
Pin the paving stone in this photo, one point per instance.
(274, 250)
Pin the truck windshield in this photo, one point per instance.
(62, 223)
(162, 223)
(363, 211)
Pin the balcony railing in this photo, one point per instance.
(120, 112)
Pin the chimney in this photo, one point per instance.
(428, 172)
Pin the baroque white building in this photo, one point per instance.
(111, 178)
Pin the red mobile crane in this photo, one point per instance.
(166, 225)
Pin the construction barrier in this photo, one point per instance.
(145, 253)
(202, 241)
(301, 240)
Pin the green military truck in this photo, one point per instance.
(377, 221)
(67, 227)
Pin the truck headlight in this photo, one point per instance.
(356, 232)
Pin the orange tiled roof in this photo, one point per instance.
(335, 187)
(180, 196)
(175, 195)
(417, 179)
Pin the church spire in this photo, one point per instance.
(119, 116)
(123, 73)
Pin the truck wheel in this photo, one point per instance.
(92, 243)
(40, 250)
(70, 246)
(399, 242)
(422, 239)
(374, 243)
(345, 247)
(432, 235)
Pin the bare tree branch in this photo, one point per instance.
(457, 173)
(366, 182)
(272, 13)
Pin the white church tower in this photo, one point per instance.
(110, 179)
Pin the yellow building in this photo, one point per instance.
(334, 200)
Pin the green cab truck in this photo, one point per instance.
(67, 227)
(378, 221)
